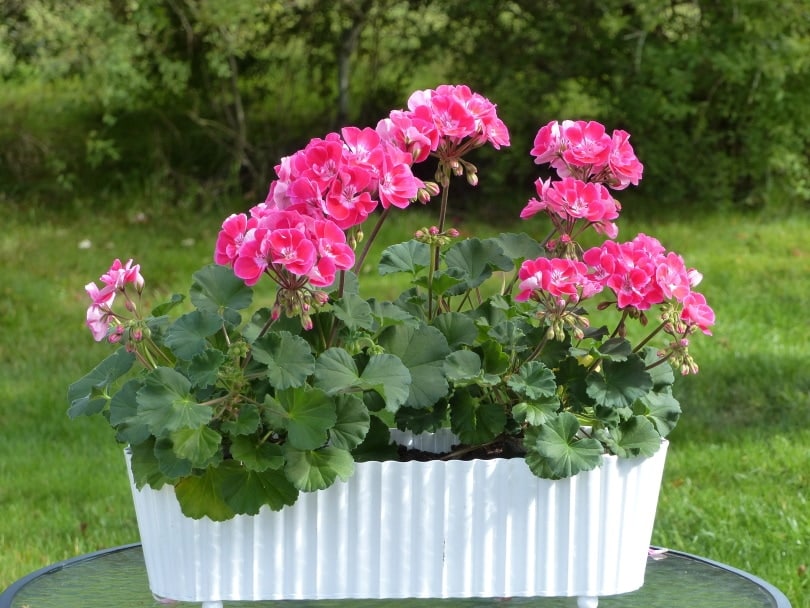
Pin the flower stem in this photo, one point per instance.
(653, 333)
(358, 265)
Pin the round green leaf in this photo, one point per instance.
(620, 383)
(555, 450)
(288, 358)
(312, 470)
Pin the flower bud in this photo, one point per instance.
(321, 297)
(432, 188)
(472, 179)
(453, 233)
(434, 230)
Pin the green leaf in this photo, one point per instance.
(199, 445)
(377, 443)
(88, 395)
(554, 450)
(636, 437)
(476, 259)
(311, 470)
(288, 358)
(536, 412)
(245, 423)
(203, 369)
(422, 351)
(217, 290)
(354, 311)
(457, 328)
(247, 491)
(145, 465)
(170, 464)
(306, 413)
(387, 375)
(336, 371)
(462, 367)
(201, 496)
(353, 421)
(186, 337)
(615, 349)
(475, 421)
(165, 403)
(411, 257)
(620, 383)
(518, 246)
(534, 381)
(257, 456)
(166, 307)
(662, 409)
(387, 313)
(123, 414)
(442, 281)
(510, 335)
(495, 360)
(423, 419)
(663, 376)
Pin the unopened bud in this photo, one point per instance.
(472, 179)
(434, 230)
(453, 233)
(432, 188)
(321, 297)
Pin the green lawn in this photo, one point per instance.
(737, 482)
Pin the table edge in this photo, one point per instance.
(8, 595)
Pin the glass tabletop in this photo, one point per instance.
(117, 577)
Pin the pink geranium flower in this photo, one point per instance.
(122, 274)
(624, 166)
(587, 144)
(697, 312)
(230, 238)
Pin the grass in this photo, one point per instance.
(736, 486)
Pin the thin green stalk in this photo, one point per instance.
(653, 333)
(358, 264)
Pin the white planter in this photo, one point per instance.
(480, 528)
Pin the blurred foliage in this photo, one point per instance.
(202, 97)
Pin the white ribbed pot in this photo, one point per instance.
(439, 529)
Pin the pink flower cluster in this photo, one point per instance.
(335, 183)
(640, 273)
(99, 314)
(343, 178)
(588, 161)
(566, 280)
(447, 121)
(290, 246)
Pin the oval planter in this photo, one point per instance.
(438, 529)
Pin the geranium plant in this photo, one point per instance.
(240, 405)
